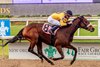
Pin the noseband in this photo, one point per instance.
(81, 21)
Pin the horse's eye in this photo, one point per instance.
(86, 22)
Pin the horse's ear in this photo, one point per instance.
(82, 16)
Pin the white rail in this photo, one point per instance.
(75, 37)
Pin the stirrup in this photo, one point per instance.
(51, 32)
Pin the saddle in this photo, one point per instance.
(46, 29)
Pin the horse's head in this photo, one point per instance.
(84, 23)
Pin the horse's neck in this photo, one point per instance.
(74, 26)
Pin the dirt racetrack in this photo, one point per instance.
(37, 63)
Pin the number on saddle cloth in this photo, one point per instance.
(47, 27)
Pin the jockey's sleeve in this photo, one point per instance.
(55, 16)
(62, 23)
(64, 20)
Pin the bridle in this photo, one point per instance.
(84, 22)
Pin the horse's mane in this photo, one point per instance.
(69, 24)
(75, 18)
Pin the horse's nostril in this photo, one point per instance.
(92, 29)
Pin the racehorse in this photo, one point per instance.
(63, 37)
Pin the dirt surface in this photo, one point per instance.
(38, 63)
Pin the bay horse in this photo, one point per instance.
(63, 37)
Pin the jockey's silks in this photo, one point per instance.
(60, 17)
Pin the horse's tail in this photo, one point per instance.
(19, 36)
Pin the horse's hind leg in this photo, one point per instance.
(39, 47)
(71, 47)
(32, 45)
(31, 35)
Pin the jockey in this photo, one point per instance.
(59, 19)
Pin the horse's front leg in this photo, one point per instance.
(30, 49)
(59, 49)
(74, 58)
(58, 46)
(39, 48)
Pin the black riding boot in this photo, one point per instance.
(53, 29)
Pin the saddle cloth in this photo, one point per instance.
(47, 27)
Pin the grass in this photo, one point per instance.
(15, 29)
(4, 51)
(88, 33)
(17, 26)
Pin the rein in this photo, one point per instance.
(81, 20)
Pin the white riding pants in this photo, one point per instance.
(53, 21)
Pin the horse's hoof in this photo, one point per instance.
(42, 61)
(55, 59)
(51, 58)
(71, 63)
(52, 63)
